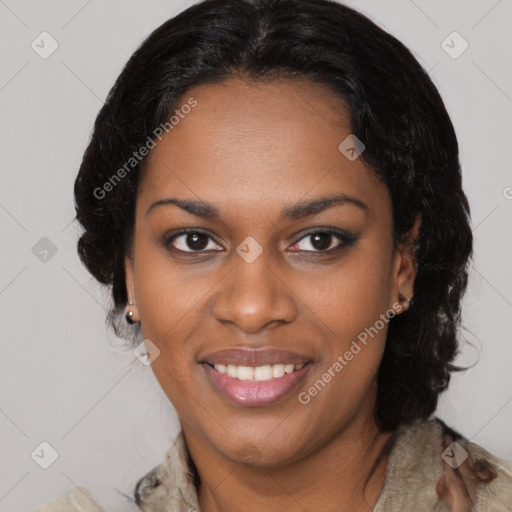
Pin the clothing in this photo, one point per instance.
(431, 468)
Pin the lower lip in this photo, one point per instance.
(255, 393)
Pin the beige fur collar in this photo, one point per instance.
(435, 469)
(431, 468)
(418, 477)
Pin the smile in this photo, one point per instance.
(255, 377)
(257, 373)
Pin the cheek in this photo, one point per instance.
(350, 297)
(350, 302)
(352, 351)
(170, 305)
(167, 298)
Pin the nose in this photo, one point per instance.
(254, 297)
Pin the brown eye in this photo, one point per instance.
(193, 241)
(323, 241)
(196, 241)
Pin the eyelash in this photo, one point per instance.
(345, 239)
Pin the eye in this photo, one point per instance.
(319, 241)
(192, 241)
(322, 241)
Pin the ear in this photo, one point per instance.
(405, 266)
(130, 287)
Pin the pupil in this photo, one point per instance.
(197, 241)
(321, 241)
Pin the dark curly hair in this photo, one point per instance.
(395, 109)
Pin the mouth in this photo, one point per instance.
(255, 377)
(257, 373)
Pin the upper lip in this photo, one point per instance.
(254, 357)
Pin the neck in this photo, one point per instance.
(333, 477)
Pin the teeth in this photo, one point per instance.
(232, 370)
(221, 368)
(261, 372)
(245, 372)
(277, 370)
(258, 373)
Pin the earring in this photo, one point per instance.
(410, 301)
(129, 314)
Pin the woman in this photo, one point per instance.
(273, 191)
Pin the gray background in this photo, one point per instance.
(64, 379)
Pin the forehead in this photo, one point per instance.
(258, 146)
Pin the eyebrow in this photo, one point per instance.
(295, 211)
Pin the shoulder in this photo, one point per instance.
(78, 500)
(472, 474)
(487, 477)
(441, 469)
(171, 485)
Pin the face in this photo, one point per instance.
(261, 255)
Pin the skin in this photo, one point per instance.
(251, 150)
